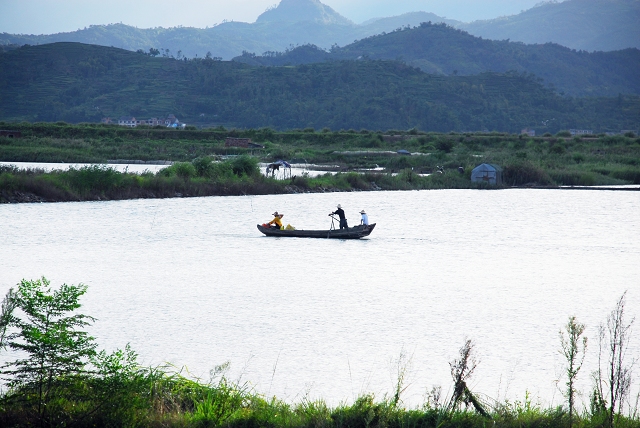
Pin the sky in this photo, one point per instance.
(54, 16)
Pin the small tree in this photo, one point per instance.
(574, 354)
(614, 381)
(52, 349)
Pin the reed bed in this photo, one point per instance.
(202, 177)
(156, 397)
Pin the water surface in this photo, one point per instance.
(191, 282)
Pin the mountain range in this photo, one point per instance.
(591, 25)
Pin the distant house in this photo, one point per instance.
(529, 132)
(488, 173)
(154, 121)
(170, 121)
(581, 131)
(242, 142)
(10, 134)
(106, 120)
(128, 121)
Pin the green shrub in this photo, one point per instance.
(445, 145)
(245, 166)
(574, 178)
(522, 173)
(407, 175)
(557, 149)
(180, 169)
(94, 178)
(204, 167)
(357, 181)
(631, 175)
(222, 171)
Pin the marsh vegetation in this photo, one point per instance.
(204, 165)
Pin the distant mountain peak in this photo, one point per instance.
(303, 10)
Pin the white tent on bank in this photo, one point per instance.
(488, 173)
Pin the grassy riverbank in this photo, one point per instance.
(527, 161)
(202, 177)
(59, 379)
(151, 397)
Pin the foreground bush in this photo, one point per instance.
(59, 380)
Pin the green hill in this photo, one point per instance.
(83, 83)
(440, 49)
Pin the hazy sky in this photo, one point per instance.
(53, 16)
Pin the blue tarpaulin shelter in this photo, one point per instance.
(488, 173)
(275, 166)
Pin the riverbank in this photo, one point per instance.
(560, 159)
(237, 177)
(202, 177)
(214, 162)
(151, 397)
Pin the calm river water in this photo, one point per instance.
(191, 282)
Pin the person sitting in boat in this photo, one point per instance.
(343, 220)
(277, 220)
(365, 218)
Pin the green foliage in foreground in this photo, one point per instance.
(61, 381)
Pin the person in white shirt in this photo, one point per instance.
(365, 218)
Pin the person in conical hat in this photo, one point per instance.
(277, 220)
(343, 220)
(364, 219)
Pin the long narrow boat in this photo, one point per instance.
(356, 232)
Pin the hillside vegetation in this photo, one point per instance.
(83, 83)
(440, 49)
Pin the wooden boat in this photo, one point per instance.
(356, 232)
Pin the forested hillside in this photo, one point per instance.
(440, 49)
(75, 82)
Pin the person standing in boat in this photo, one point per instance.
(277, 220)
(365, 218)
(343, 220)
